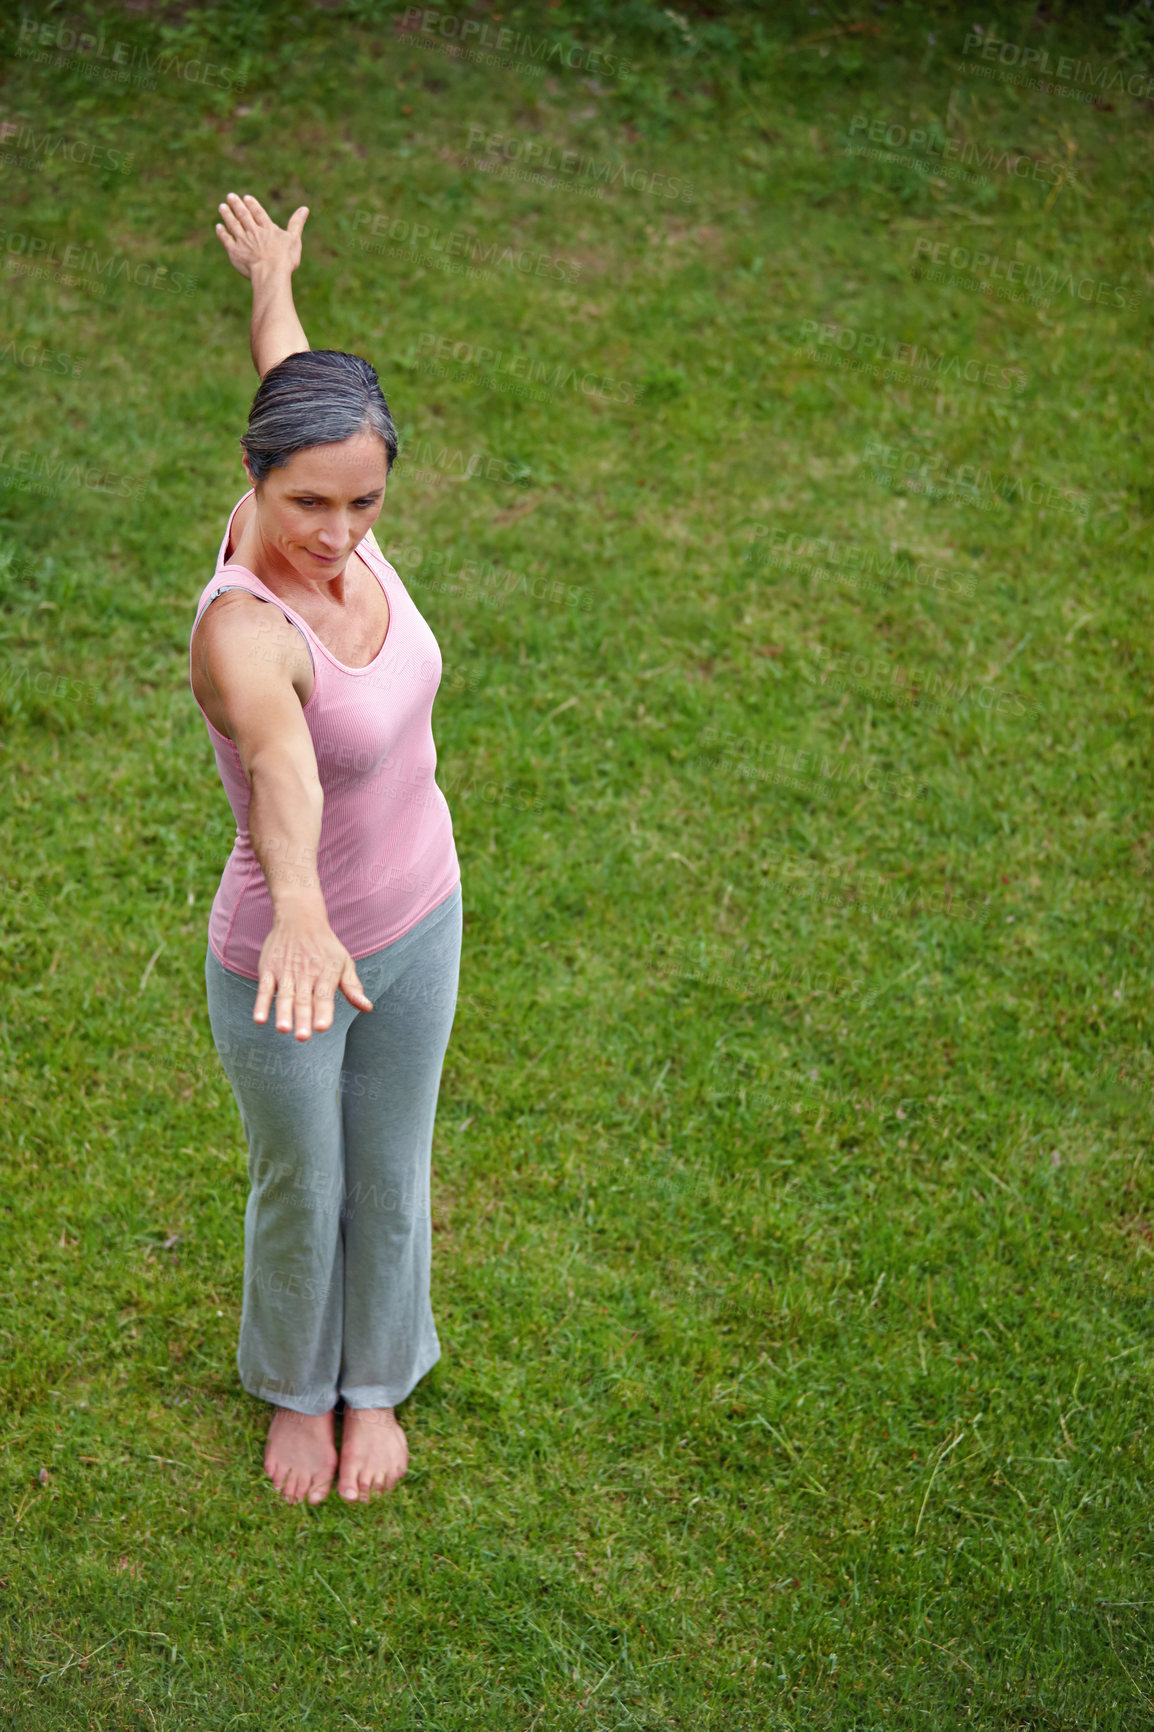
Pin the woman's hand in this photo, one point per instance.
(250, 237)
(303, 963)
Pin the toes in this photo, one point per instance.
(294, 1484)
(358, 1484)
(370, 1463)
(384, 1480)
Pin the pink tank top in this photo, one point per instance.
(387, 855)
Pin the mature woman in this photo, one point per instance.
(341, 899)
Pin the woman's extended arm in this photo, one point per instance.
(268, 256)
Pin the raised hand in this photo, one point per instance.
(250, 237)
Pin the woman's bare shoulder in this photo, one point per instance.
(229, 609)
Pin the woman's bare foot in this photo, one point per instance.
(374, 1454)
(301, 1456)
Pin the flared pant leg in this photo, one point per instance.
(393, 1063)
(338, 1228)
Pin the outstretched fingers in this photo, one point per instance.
(303, 966)
(294, 1004)
(249, 235)
(305, 1007)
(266, 987)
(236, 217)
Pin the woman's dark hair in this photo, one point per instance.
(318, 397)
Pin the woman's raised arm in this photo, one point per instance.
(268, 256)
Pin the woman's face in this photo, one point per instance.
(313, 510)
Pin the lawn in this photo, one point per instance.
(772, 385)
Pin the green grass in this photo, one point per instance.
(793, 1220)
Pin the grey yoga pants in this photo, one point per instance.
(338, 1226)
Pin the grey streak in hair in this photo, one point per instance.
(317, 397)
